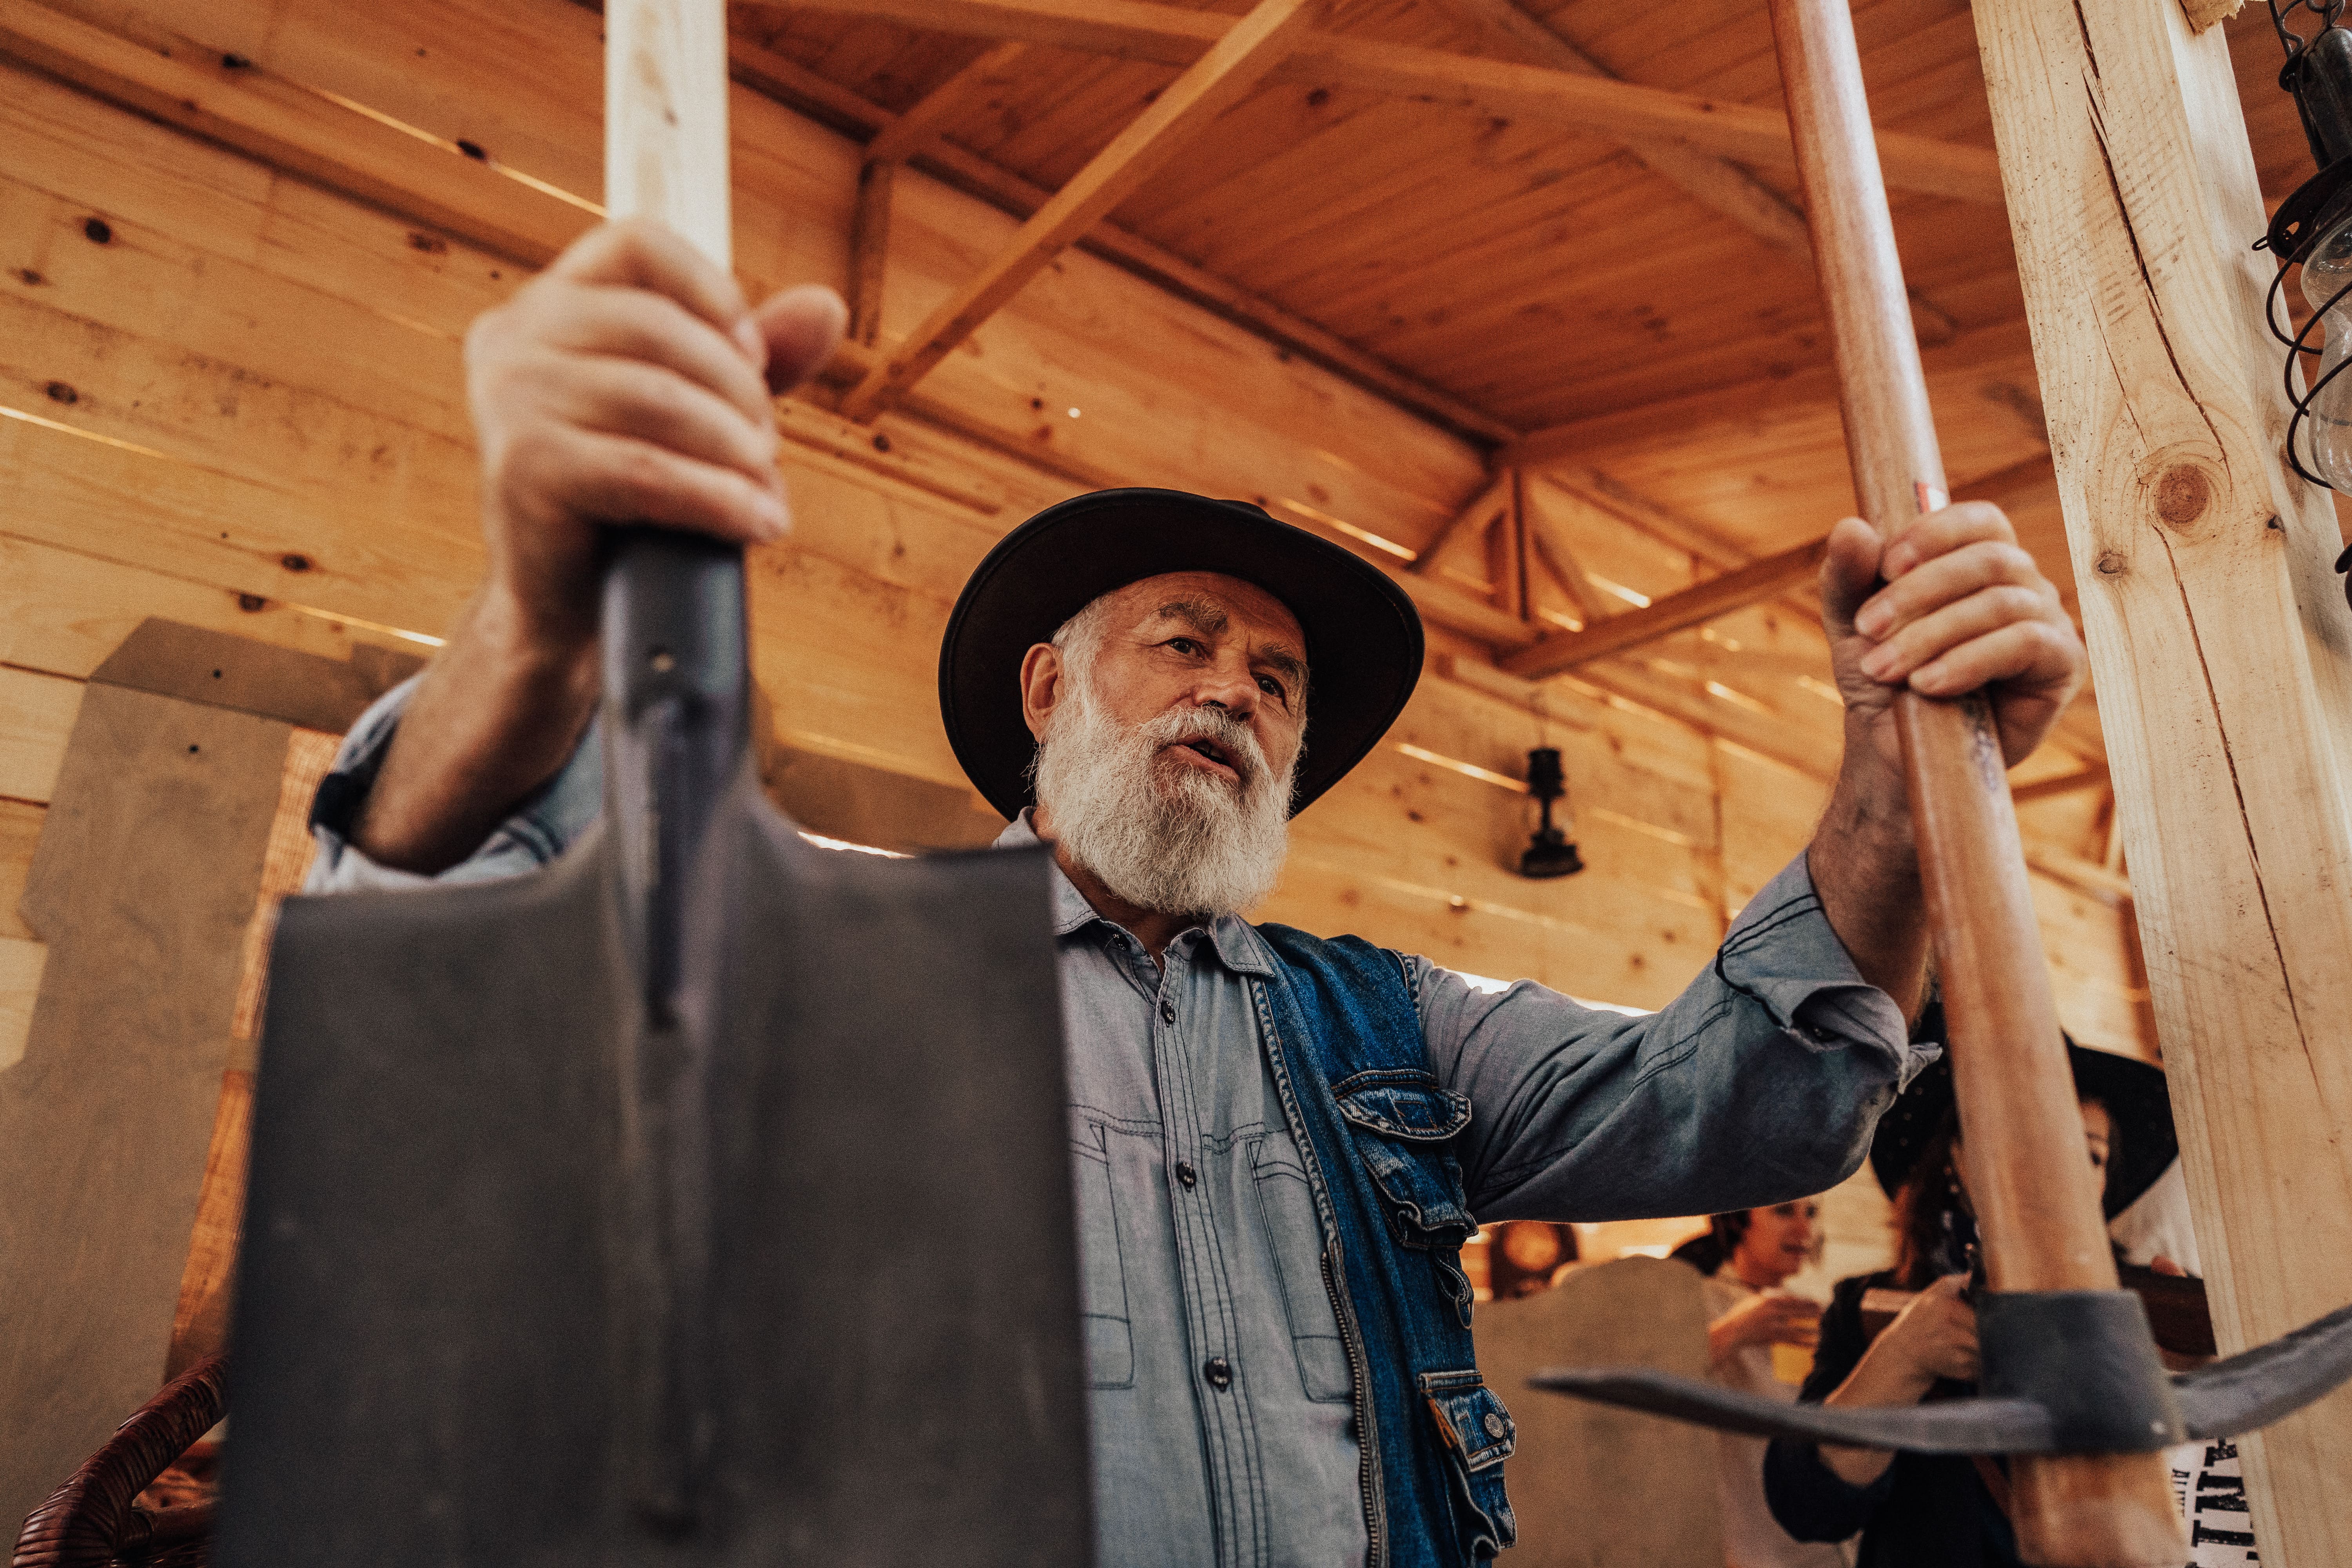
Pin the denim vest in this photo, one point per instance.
(1374, 1129)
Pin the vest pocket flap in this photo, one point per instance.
(1470, 1417)
(1426, 1200)
(1402, 1104)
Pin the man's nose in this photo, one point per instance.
(1234, 690)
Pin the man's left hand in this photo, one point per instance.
(1962, 606)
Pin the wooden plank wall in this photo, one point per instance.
(233, 397)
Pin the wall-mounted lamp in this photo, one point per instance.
(1548, 853)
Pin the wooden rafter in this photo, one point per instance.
(1482, 509)
(1136, 29)
(1598, 491)
(869, 245)
(1685, 420)
(1720, 185)
(914, 129)
(1605, 494)
(1766, 736)
(2091, 777)
(869, 224)
(2087, 876)
(1551, 547)
(1239, 59)
(1693, 607)
(2035, 477)
(1506, 555)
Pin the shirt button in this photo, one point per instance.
(1168, 1012)
(1186, 1175)
(1219, 1372)
(1494, 1424)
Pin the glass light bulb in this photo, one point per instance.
(2329, 423)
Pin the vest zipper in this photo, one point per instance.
(1367, 1436)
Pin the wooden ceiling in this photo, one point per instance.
(1538, 274)
(1635, 316)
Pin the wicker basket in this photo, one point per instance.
(94, 1521)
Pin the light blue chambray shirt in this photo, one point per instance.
(1199, 1238)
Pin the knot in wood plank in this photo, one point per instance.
(2183, 494)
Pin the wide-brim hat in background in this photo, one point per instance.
(2138, 1102)
(1363, 636)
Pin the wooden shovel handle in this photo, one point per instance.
(2037, 1203)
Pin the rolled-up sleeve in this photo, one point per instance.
(1761, 1083)
(539, 829)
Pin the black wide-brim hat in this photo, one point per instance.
(1363, 638)
(2138, 1102)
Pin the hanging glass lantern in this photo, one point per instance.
(2313, 227)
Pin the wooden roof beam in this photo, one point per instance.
(1684, 420)
(1714, 182)
(1623, 111)
(869, 246)
(1238, 61)
(916, 129)
(870, 223)
(2093, 778)
(1496, 497)
(1757, 580)
(1551, 546)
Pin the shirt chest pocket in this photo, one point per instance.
(1403, 1125)
(1295, 1236)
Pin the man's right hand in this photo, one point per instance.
(628, 383)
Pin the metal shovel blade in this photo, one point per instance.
(858, 1341)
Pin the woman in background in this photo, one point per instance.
(1747, 1256)
(1923, 1511)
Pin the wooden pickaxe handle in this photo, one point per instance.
(2036, 1201)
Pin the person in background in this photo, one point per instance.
(1925, 1510)
(1747, 1256)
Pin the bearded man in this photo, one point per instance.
(1278, 1142)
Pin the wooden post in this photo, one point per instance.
(2223, 656)
(2036, 1202)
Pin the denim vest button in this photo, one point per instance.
(1494, 1424)
(1186, 1175)
(1220, 1372)
(1168, 1012)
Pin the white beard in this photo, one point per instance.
(1162, 834)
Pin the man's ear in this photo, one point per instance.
(1041, 687)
